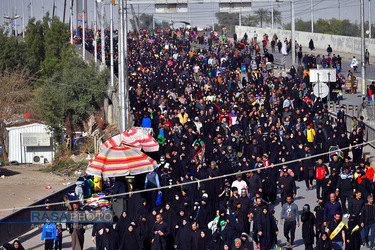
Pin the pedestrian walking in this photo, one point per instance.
(290, 215)
(49, 235)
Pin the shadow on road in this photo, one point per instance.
(8, 172)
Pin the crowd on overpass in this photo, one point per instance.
(215, 113)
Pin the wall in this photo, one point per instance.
(344, 44)
(16, 224)
(21, 154)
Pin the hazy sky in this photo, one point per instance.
(201, 15)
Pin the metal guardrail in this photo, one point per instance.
(353, 111)
(13, 225)
(371, 111)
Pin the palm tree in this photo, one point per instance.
(249, 20)
(276, 16)
(262, 15)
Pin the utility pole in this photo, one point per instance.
(43, 8)
(240, 21)
(31, 8)
(189, 15)
(111, 39)
(64, 11)
(83, 31)
(15, 22)
(363, 64)
(23, 18)
(120, 66)
(10, 23)
(312, 16)
(369, 19)
(95, 33)
(28, 11)
(139, 22)
(123, 67)
(71, 21)
(153, 23)
(293, 45)
(102, 32)
(338, 3)
(213, 16)
(54, 9)
(272, 20)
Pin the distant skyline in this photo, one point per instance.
(201, 15)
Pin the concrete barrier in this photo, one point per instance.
(17, 223)
(344, 44)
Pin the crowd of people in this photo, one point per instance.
(216, 113)
(237, 137)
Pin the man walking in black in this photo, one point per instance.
(287, 185)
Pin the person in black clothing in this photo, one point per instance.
(255, 213)
(243, 219)
(345, 188)
(159, 232)
(7, 246)
(308, 167)
(324, 242)
(18, 246)
(98, 229)
(131, 239)
(287, 185)
(254, 183)
(319, 218)
(336, 231)
(335, 165)
(267, 229)
(246, 241)
(363, 184)
(203, 239)
(356, 206)
(122, 225)
(270, 184)
(353, 235)
(109, 240)
(368, 222)
(183, 235)
(308, 222)
(194, 236)
(311, 44)
(215, 243)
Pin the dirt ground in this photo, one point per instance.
(24, 184)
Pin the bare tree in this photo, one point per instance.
(15, 94)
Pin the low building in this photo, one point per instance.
(29, 143)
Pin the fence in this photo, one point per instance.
(354, 111)
(17, 223)
(343, 44)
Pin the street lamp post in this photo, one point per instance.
(123, 67)
(95, 33)
(83, 31)
(363, 63)
(293, 45)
